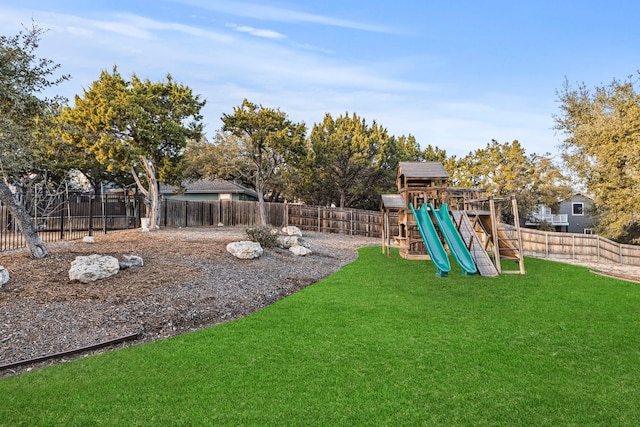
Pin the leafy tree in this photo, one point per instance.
(350, 163)
(23, 115)
(602, 141)
(136, 126)
(267, 140)
(345, 157)
(221, 158)
(506, 169)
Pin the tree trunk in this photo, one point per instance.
(259, 190)
(34, 242)
(152, 194)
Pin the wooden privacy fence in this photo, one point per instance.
(79, 216)
(355, 222)
(180, 213)
(587, 247)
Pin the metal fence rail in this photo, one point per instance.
(72, 217)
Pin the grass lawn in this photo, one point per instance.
(381, 342)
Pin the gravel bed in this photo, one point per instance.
(188, 281)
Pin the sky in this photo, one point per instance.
(455, 74)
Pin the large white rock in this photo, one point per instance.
(4, 275)
(245, 249)
(93, 267)
(299, 250)
(292, 230)
(288, 241)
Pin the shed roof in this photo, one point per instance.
(422, 170)
(393, 201)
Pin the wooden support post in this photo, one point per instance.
(516, 223)
(494, 234)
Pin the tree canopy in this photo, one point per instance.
(136, 126)
(505, 169)
(601, 146)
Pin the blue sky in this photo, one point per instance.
(455, 74)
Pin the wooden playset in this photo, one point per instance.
(426, 217)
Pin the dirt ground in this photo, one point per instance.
(188, 281)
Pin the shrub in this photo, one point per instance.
(263, 234)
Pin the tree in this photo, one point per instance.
(505, 169)
(601, 146)
(266, 139)
(136, 126)
(345, 153)
(23, 114)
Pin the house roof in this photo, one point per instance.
(422, 170)
(209, 186)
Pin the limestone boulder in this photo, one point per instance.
(298, 250)
(245, 249)
(4, 276)
(292, 230)
(131, 261)
(288, 241)
(93, 267)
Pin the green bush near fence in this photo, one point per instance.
(381, 342)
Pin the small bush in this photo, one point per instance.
(262, 234)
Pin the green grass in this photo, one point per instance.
(381, 342)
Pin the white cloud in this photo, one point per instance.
(302, 80)
(278, 14)
(268, 34)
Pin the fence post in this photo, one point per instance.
(91, 214)
(186, 214)
(620, 250)
(61, 217)
(351, 222)
(318, 219)
(286, 213)
(546, 244)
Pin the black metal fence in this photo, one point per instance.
(72, 216)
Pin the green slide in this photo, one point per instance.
(431, 240)
(454, 240)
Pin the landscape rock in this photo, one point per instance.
(93, 267)
(245, 249)
(4, 275)
(298, 250)
(89, 239)
(131, 261)
(292, 230)
(287, 241)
